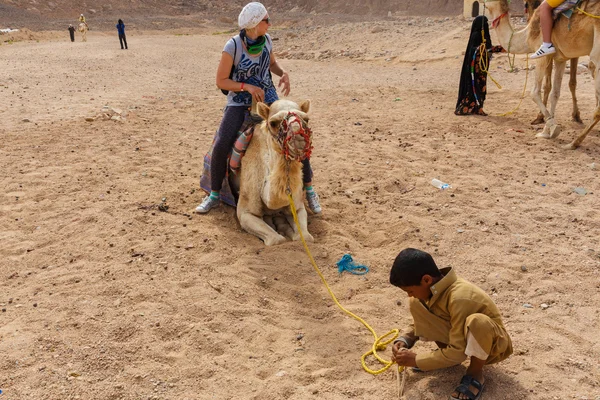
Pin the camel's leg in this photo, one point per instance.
(547, 88)
(559, 72)
(303, 221)
(572, 87)
(258, 227)
(595, 57)
(283, 226)
(541, 71)
(269, 219)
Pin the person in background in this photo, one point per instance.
(472, 86)
(251, 58)
(82, 19)
(121, 30)
(72, 32)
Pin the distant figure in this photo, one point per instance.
(72, 32)
(82, 19)
(122, 38)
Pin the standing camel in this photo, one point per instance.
(530, 7)
(572, 38)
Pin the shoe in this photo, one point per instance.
(208, 204)
(543, 51)
(464, 388)
(312, 198)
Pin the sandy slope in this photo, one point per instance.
(103, 296)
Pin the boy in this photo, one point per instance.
(460, 317)
(546, 21)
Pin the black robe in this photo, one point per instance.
(472, 87)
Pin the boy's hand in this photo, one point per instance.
(397, 348)
(403, 356)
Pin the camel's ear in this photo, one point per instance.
(263, 110)
(304, 106)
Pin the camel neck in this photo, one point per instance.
(513, 41)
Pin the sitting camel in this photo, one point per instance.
(530, 7)
(83, 28)
(573, 38)
(272, 168)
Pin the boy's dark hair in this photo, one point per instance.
(410, 266)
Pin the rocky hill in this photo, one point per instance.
(169, 14)
(165, 14)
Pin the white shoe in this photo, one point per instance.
(313, 202)
(207, 204)
(543, 51)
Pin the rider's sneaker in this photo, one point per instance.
(543, 51)
(208, 204)
(312, 198)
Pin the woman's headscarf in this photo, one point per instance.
(475, 40)
(251, 15)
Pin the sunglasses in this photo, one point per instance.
(267, 20)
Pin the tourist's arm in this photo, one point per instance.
(277, 70)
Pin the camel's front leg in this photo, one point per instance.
(547, 88)
(572, 87)
(303, 221)
(283, 226)
(541, 65)
(256, 226)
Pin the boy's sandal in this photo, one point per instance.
(465, 383)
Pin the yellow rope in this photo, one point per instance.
(380, 342)
(484, 65)
(522, 94)
(587, 13)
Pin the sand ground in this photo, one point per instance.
(104, 296)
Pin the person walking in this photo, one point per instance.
(72, 32)
(121, 30)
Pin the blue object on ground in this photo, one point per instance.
(347, 264)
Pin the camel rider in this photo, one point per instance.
(547, 22)
(247, 81)
(82, 19)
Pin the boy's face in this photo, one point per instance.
(421, 291)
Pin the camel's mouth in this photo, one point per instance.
(294, 137)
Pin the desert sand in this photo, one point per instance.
(111, 288)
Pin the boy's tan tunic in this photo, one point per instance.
(455, 308)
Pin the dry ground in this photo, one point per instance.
(103, 296)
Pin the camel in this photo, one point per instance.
(572, 38)
(83, 28)
(270, 168)
(530, 6)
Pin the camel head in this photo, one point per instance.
(287, 123)
(496, 8)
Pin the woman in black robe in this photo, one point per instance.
(472, 89)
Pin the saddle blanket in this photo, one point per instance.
(566, 8)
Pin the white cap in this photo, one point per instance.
(251, 15)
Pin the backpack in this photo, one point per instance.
(226, 92)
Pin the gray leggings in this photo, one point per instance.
(232, 121)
